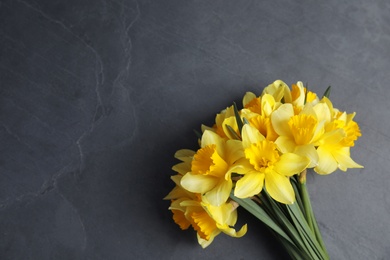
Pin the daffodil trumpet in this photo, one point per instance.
(258, 157)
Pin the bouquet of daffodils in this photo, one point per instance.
(256, 157)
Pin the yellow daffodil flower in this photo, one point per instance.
(260, 109)
(334, 148)
(212, 166)
(207, 220)
(263, 163)
(279, 90)
(298, 133)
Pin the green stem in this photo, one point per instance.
(307, 205)
(311, 220)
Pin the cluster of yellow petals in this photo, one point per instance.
(284, 132)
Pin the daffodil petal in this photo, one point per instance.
(326, 162)
(344, 160)
(322, 111)
(250, 184)
(280, 118)
(182, 167)
(267, 104)
(176, 192)
(198, 183)
(250, 135)
(221, 214)
(310, 152)
(332, 137)
(248, 98)
(232, 232)
(234, 151)
(285, 144)
(230, 121)
(279, 188)
(291, 163)
(209, 138)
(241, 167)
(220, 193)
(205, 243)
(184, 155)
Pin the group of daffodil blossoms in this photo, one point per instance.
(283, 133)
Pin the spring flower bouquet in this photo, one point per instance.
(257, 158)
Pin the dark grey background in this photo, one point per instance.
(96, 96)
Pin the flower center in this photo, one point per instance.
(203, 224)
(263, 124)
(262, 155)
(207, 161)
(303, 128)
(254, 105)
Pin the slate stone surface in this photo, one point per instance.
(96, 96)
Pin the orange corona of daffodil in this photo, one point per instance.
(264, 163)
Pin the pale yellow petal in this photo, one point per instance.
(232, 232)
(323, 112)
(205, 243)
(248, 98)
(242, 166)
(176, 179)
(176, 192)
(182, 167)
(267, 104)
(184, 155)
(234, 151)
(332, 137)
(220, 193)
(280, 118)
(308, 151)
(300, 99)
(344, 159)
(221, 214)
(250, 135)
(249, 185)
(278, 89)
(326, 162)
(232, 122)
(198, 183)
(285, 144)
(205, 127)
(209, 138)
(279, 188)
(291, 163)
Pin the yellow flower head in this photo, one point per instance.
(264, 164)
(211, 168)
(334, 147)
(207, 220)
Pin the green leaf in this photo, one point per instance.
(232, 132)
(245, 121)
(198, 134)
(307, 91)
(289, 227)
(306, 234)
(259, 213)
(327, 92)
(310, 215)
(240, 124)
(297, 194)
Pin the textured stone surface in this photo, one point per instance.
(96, 96)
